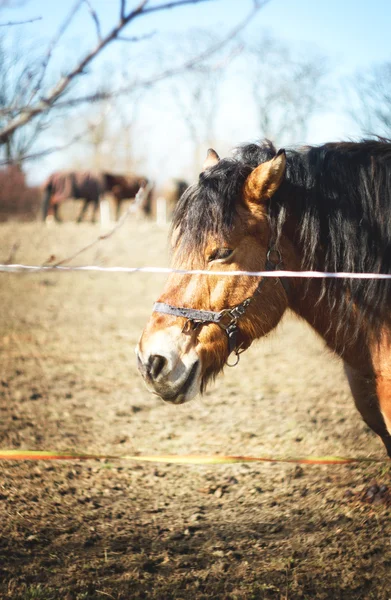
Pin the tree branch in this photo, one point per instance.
(10, 23)
(47, 151)
(95, 18)
(140, 38)
(123, 9)
(52, 45)
(47, 102)
(138, 199)
(100, 96)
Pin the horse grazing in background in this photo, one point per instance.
(90, 187)
(124, 187)
(63, 185)
(321, 208)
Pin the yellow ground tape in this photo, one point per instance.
(184, 459)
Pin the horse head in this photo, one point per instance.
(220, 224)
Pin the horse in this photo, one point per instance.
(90, 186)
(124, 187)
(63, 185)
(324, 208)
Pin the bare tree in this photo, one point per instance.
(287, 89)
(43, 99)
(370, 100)
(104, 130)
(19, 72)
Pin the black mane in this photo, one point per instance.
(209, 206)
(337, 195)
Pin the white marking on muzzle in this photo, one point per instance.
(174, 346)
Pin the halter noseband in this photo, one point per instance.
(227, 318)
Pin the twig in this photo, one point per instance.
(13, 250)
(95, 18)
(20, 22)
(105, 594)
(123, 9)
(105, 236)
(170, 5)
(140, 38)
(53, 44)
(47, 151)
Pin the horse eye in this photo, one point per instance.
(220, 254)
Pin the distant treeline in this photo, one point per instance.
(17, 199)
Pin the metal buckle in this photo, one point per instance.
(274, 253)
(227, 312)
(239, 310)
(237, 354)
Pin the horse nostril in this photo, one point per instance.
(156, 365)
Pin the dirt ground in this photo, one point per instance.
(120, 530)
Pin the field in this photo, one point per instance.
(122, 530)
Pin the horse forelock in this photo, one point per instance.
(210, 206)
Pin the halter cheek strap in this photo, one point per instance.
(227, 318)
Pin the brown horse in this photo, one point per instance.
(319, 208)
(124, 187)
(90, 186)
(63, 185)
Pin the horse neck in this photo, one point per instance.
(307, 302)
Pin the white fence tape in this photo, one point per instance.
(16, 268)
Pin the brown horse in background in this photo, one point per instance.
(124, 187)
(323, 208)
(90, 187)
(63, 185)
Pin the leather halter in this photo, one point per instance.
(227, 318)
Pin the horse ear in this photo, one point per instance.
(265, 179)
(212, 158)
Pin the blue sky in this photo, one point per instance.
(352, 34)
(355, 32)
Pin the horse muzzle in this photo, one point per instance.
(169, 367)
